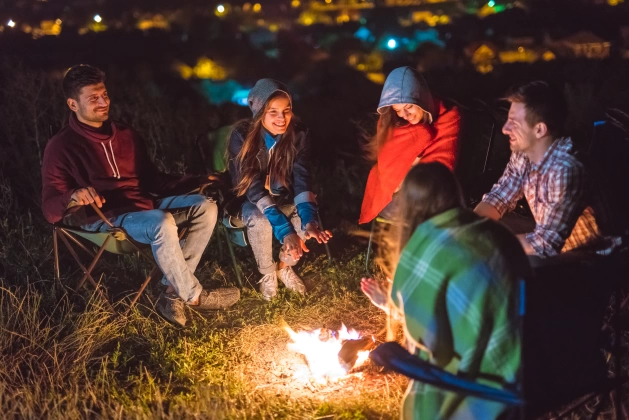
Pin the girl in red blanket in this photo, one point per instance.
(413, 126)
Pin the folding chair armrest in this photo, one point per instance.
(101, 215)
(396, 358)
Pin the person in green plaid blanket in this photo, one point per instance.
(455, 291)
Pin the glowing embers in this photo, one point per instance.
(330, 354)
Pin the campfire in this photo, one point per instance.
(330, 354)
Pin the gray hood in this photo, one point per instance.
(262, 91)
(405, 85)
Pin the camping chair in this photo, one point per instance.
(482, 124)
(116, 241)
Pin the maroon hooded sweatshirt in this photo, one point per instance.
(114, 161)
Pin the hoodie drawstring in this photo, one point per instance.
(113, 157)
(115, 170)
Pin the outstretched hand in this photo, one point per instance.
(294, 246)
(375, 292)
(313, 231)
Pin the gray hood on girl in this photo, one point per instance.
(405, 85)
(262, 91)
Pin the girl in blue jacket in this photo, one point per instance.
(269, 164)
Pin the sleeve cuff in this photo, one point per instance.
(305, 197)
(308, 213)
(279, 223)
(264, 203)
(540, 246)
(496, 202)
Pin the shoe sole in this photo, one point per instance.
(170, 321)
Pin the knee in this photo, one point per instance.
(255, 219)
(206, 210)
(163, 224)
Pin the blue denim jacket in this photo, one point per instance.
(300, 184)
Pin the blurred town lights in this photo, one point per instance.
(491, 3)
(58, 22)
(11, 23)
(98, 19)
(257, 7)
(392, 44)
(220, 8)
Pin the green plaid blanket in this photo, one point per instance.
(456, 289)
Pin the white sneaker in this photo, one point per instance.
(268, 286)
(291, 280)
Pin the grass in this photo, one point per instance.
(68, 356)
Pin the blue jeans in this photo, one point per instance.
(158, 228)
(260, 235)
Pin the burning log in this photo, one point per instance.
(330, 354)
(351, 349)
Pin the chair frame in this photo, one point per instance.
(68, 235)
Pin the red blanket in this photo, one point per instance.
(437, 142)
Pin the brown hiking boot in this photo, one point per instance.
(217, 298)
(171, 307)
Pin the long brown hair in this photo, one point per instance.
(428, 190)
(387, 122)
(282, 158)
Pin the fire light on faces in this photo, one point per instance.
(323, 356)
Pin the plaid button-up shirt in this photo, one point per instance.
(556, 192)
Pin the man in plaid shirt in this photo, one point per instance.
(543, 169)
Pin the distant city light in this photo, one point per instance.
(328, 1)
(240, 97)
(491, 3)
(295, 3)
(220, 8)
(257, 7)
(58, 22)
(391, 44)
(11, 24)
(98, 19)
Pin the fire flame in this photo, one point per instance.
(322, 355)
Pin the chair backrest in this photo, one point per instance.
(98, 238)
(479, 127)
(213, 148)
(607, 165)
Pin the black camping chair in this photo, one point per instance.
(562, 367)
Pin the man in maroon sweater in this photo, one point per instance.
(94, 160)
